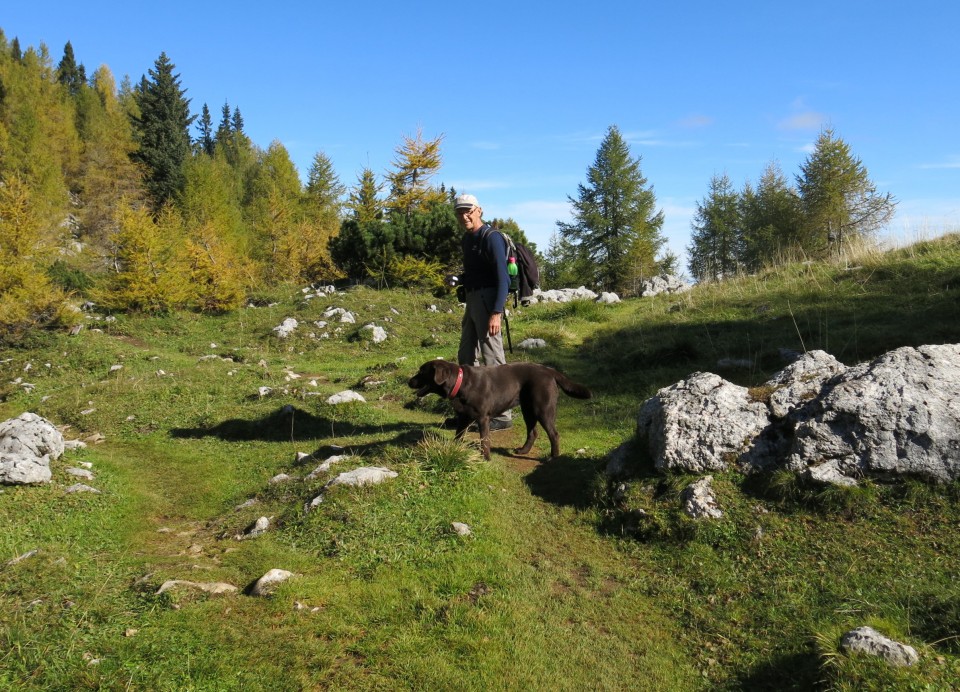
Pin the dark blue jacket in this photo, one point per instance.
(485, 263)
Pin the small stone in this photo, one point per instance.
(266, 584)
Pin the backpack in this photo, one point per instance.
(528, 273)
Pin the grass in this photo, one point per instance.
(566, 581)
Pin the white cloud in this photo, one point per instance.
(808, 120)
(952, 162)
(695, 121)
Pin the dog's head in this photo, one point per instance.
(434, 377)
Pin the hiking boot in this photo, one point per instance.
(500, 424)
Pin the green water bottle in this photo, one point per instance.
(512, 270)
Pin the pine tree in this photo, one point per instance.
(615, 223)
(839, 201)
(162, 131)
(716, 242)
(364, 201)
(69, 74)
(205, 142)
(324, 189)
(223, 129)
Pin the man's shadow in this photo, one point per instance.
(285, 424)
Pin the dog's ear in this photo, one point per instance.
(444, 374)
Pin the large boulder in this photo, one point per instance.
(31, 434)
(700, 424)
(27, 444)
(897, 415)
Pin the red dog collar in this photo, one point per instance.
(456, 386)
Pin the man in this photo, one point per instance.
(486, 282)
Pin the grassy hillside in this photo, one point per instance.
(562, 584)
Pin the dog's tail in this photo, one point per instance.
(574, 389)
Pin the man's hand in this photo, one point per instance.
(494, 325)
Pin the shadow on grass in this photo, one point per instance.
(286, 424)
(564, 481)
(796, 670)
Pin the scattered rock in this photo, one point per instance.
(528, 344)
(214, 588)
(461, 529)
(258, 528)
(286, 328)
(377, 334)
(698, 500)
(325, 466)
(365, 475)
(266, 584)
(866, 640)
(665, 283)
(345, 397)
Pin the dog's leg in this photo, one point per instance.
(463, 422)
(483, 423)
(554, 440)
(530, 420)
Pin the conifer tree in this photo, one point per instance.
(364, 201)
(839, 201)
(162, 131)
(38, 133)
(108, 174)
(416, 162)
(616, 224)
(27, 298)
(69, 74)
(772, 220)
(716, 243)
(205, 142)
(148, 261)
(324, 188)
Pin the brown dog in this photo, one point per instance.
(479, 393)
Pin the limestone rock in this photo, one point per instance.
(266, 584)
(867, 640)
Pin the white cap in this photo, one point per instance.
(465, 202)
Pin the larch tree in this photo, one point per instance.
(417, 161)
(616, 225)
(27, 297)
(108, 174)
(162, 131)
(839, 201)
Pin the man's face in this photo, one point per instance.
(469, 218)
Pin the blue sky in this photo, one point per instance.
(523, 93)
